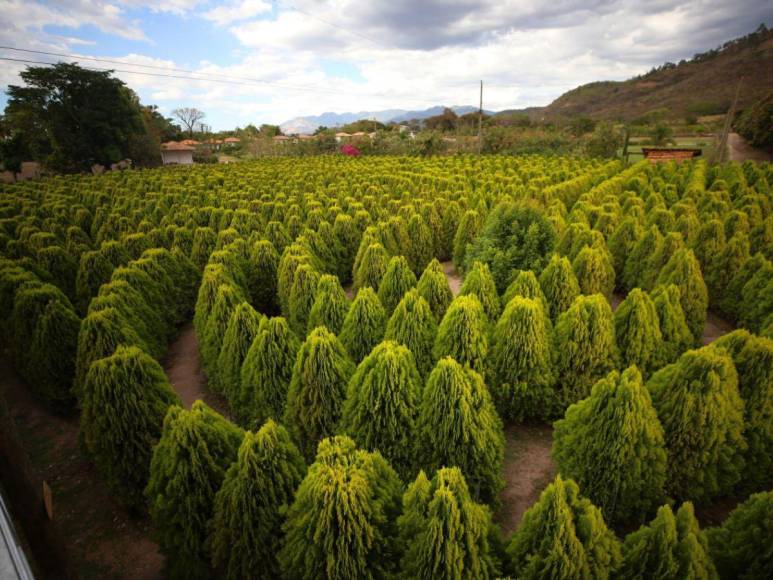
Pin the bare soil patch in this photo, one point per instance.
(528, 469)
(453, 277)
(739, 150)
(715, 327)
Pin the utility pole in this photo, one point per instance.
(480, 121)
(720, 155)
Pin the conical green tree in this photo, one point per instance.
(674, 332)
(330, 305)
(452, 215)
(342, 522)
(348, 236)
(446, 534)
(667, 247)
(621, 243)
(594, 271)
(456, 409)
(725, 266)
(317, 390)
(463, 334)
(753, 359)
(526, 285)
(398, 279)
(636, 263)
(467, 231)
(382, 405)
(266, 372)
(264, 262)
(684, 271)
(422, 246)
(584, 344)
(733, 301)
(701, 410)
(292, 258)
(364, 325)
(480, 282)
(372, 267)
(741, 545)
(125, 398)
(434, 288)
(559, 285)
(563, 535)
(239, 335)
(669, 547)
(709, 243)
(521, 379)
(228, 300)
(187, 468)
(637, 331)
(413, 325)
(249, 507)
(302, 295)
(204, 242)
(611, 444)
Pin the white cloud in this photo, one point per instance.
(235, 12)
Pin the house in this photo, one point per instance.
(232, 140)
(190, 142)
(342, 136)
(659, 154)
(174, 153)
(281, 139)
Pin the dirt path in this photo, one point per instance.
(739, 150)
(528, 470)
(453, 277)
(100, 537)
(183, 367)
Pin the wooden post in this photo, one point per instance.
(480, 121)
(720, 154)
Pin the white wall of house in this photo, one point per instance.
(177, 157)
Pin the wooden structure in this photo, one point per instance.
(173, 153)
(660, 154)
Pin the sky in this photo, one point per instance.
(262, 61)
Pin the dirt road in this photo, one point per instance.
(739, 150)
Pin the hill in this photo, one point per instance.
(703, 85)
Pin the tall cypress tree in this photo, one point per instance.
(239, 335)
(125, 398)
(559, 284)
(669, 547)
(292, 258)
(249, 507)
(463, 334)
(228, 299)
(636, 264)
(446, 534)
(342, 522)
(469, 228)
(364, 325)
(684, 271)
(452, 214)
(348, 235)
(520, 361)
(674, 332)
(412, 324)
(725, 266)
(456, 408)
(264, 261)
(186, 470)
(422, 247)
(594, 271)
(317, 389)
(621, 243)
(372, 267)
(330, 305)
(701, 411)
(584, 343)
(397, 280)
(434, 288)
(709, 243)
(667, 247)
(266, 372)
(732, 303)
(611, 444)
(741, 545)
(637, 330)
(526, 285)
(382, 404)
(563, 535)
(480, 282)
(302, 294)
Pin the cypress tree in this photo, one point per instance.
(452, 214)
(330, 305)
(214, 276)
(463, 334)
(756, 304)
(674, 332)
(371, 235)
(636, 263)
(701, 411)
(293, 256)
(669, 547)
(563, 535)
(204, 242)
(434, 288)
(266, 372)
(709, 243)
(302, 295)
(372, 267)
(397, 280)
(741, 545)
(526, 285)
(264, 262)
(684, 271)
(480, 282)
(249, 508)
(125, 398)
(637, 331)
(667, 247)
(364, 325)
(520, 361)
(725, 266)
(621, 243)
(611, 444)
(382, 405)
(421, 248)
(412, 324)
(317, 389)
(228, 299)
(594, 271)
(455, 409)
(732, 303)
(342, 522)
(753, 359)
(239, 335)
(94, 269)
(467, 231)
(584, 343)
(187, 468)
(348, 236)
(446, 534)
(559, 284)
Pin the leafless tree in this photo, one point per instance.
(189, 117)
